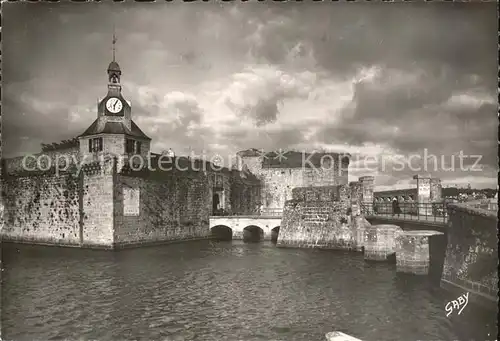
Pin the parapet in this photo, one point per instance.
(367, 178)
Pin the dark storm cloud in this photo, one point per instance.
(225, 74)
(348, 35)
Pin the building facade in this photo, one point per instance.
(106, 189)
(280, 173)
(94, 190)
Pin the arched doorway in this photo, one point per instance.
(221, 232)
(274, 234)
(253, 234)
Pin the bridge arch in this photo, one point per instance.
(221, 232)
(253, 233)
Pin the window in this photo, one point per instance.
(218, 180)
(132, 147)
(95, 145)
(129, 146)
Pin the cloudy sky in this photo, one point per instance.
(388, 82)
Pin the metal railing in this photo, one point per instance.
(432, 212)
(273, 212)
(221, 213)
(486, 205)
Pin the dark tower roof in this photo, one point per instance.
(113, 66)
(115, 128)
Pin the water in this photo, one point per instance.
(219, 291)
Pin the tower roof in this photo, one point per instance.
(113, 66)
(115, 128)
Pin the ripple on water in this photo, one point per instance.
(213, 291)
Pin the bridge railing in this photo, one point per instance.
(273, 212)
(434, 211)
(485, 205)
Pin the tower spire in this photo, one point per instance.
(114, 42)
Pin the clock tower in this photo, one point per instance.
(114, 132)
(113, 105)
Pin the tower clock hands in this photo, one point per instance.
(114, 105)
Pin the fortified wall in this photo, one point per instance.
(66, 209)
(103, 206)
(325, 217)
(281, 173)
(43, 160)
(91, 191)
(471, 262)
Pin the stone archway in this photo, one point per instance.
(252, 234)
(274, 234)
(221, 232)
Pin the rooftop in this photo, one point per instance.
(116, 128)
(294, 159)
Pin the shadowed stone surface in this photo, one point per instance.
(360, 227)
(318, 217)
(471, 262)
(380, 241)
(412, 251)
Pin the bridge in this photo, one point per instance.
(265, 226)
(412, 216)
(249, 227)
(466, 257)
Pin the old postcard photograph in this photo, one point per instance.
(245, 171)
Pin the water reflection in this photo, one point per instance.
(218, 291)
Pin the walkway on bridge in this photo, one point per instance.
(430, 219)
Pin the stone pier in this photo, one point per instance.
(412, 251)
(380, 242)
(367, 186)
(428, 192)
(424, 194)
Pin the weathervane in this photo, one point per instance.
(114, 42)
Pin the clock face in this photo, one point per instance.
(114, 105)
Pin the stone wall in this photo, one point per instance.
(436, 190)
(296, 170)
(114, 146)
(45, 160)
(328, 194)
(471, 261)
(42, 208)
(63, 209)
(318, 217)
(277, 185)
(244, 197)
(95, 207)
(173, 209)
(329, 175)
(96, 202)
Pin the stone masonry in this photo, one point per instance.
(380, 242)
(281, 174)
(91, 191)
(471, 261)
(412, 251)
(317, 217)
